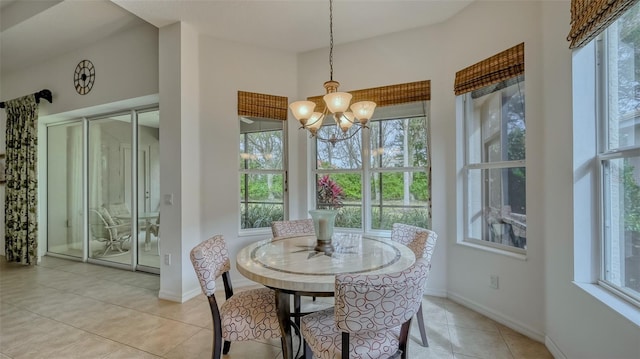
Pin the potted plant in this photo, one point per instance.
(329, 198)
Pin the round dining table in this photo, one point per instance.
(290, 265)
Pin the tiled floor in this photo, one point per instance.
(63, 309)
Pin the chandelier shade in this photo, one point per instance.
(336, 104)
(302, 110)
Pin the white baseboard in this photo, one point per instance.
(174, 297)
(499, 317)
(553, 348)
(435, 293)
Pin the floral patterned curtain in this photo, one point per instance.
(21, 196)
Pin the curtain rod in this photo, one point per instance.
(45, 94)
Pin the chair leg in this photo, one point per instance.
(423, 331)
(296, 309)
(217, 344)
(227, 346)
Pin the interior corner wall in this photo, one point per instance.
(577, 325)
(226, 68)
(181, 183)
(435, 53)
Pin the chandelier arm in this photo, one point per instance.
(333, 140)
(331, 40)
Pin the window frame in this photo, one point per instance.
(243, 172)
(603, 155)
(366, 170)
(467, 109)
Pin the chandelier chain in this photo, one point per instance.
(331, 39)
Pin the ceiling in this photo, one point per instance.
(55, 27)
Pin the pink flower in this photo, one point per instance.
(330, 194)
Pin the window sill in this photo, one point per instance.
(522, 257)
(622, 307)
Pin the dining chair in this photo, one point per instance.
(422, 242)
(371, 317)
(289, 228)
(296, 226)
(246, 315)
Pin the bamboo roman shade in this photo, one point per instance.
(590, 17)
(261, 105)
(386, 95)
(497, 68)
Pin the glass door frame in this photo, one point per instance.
(134, 259)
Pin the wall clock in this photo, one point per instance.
(84, 76)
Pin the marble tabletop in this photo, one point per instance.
(290, 263)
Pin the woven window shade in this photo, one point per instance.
(261, 105)
(590, 17)
(497, 68)
(386, 95)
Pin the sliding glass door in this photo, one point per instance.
(112, 163)
(65, 219)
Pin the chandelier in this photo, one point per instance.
(336, 105)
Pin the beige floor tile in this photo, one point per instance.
(525, 348)
(479, 343)
(428, 353)
(88, 346)
(37, 338)
(63, 309)
(198, 346)
(437, 336)
(163, 339)
(126, 352)
(460, 316)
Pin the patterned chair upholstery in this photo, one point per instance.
(422, 242)
(371, 318)
(247, 315)
(297, 226)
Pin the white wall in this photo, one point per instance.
(577, 325)
(227, 68)
(481, 30)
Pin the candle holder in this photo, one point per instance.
(323, 223)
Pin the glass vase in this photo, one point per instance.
(323, 223)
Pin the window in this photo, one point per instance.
(492, 136)
(387, 180)
(263, 176)
(619, 154)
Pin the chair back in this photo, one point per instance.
(98, 224)
(210, 260)
(379, 301)
(119, 212)
(421, 241)
(297, 226)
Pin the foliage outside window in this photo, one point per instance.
(619, 155)
(385, 181)
(262, 172)
(494, 168)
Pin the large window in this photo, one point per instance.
(619, 154)
(387, 180)
(262, 172)
(494, 169)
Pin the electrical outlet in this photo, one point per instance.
(493, 281)
(167, 259)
